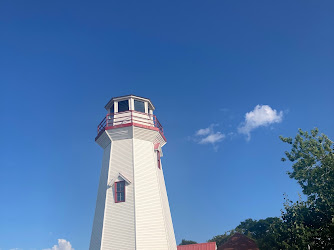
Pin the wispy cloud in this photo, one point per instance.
(204, 131)
(209, 136)
(261, 115)
(212, 138)
(62, 245)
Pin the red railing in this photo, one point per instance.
(114, 120)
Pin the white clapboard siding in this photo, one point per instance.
(166, 210)
(120, 133)
(103, 140)
(148, 135)
(143, 221)
(151, 226)
(119, 225)
(95, 241)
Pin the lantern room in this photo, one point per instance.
(129, 110)
(130, 103)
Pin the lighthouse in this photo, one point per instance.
(132, 210)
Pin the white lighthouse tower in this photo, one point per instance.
(132, 210)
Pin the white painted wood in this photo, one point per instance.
(146, 107)
(143, 221)
(148, 135)
(118, 227)
(115, 107)
(120, 133)
(121, 118)
(131, 104)
(95, 241)
(166, 210)
(103, 140)
(153, 229)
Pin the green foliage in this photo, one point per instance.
(221, 239)
(310, 224)
(313, 167)
(303, 224)
(294, 231)
(262, 231)
(187, 242)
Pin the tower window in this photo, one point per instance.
(120, 191)
(123, 106)
(139, 106)
(158, 159)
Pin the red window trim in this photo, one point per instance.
(123, 191)
(158, 159)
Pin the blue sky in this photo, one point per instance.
(204, 65)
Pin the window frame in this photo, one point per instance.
(136, 102)
(128, 106)
(158, 159)
(122, 191)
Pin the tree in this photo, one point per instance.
(303, 224)
(262, 231)
(221, 239)
(310, 224)
(187, 242)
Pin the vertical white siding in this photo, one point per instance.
(95, 241)
(119, 223)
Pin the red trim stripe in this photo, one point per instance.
(132, 124)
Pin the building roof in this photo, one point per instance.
(239, 241)
(201, 246)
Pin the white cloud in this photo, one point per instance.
(212, 138)
(62, 245)
(204, 131)
(262, 115)
(208, 135)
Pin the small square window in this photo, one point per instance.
(120, 191)
(139, 106)
(123, 106)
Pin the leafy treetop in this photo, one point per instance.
(187, 242)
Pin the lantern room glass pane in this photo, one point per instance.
(123, 106)
(139, 106)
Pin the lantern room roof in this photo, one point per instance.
(121, 98)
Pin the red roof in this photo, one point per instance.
(239, 241)
(201, 246)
